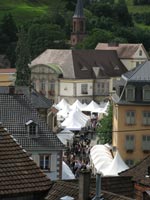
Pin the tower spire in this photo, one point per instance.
(79, 9)
(78, 32)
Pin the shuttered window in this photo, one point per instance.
(146, 142)
(146, 118)
(130, 117)
(129, 143)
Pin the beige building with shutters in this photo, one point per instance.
(131, 115)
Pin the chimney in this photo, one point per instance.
(84, 184)
(98, 195)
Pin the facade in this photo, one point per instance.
(20, 117)
(78, 24)
(76, 74)
(7, 76)
(131, 116)
(131, 55)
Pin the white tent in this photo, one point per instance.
(116, 166)
(66, 136)
(63, 113)
(103, 161)
(77, 104)
(76, 120)
(66, 172)
(91, 107)
(62, 103)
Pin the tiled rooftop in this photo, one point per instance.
(71, 188)
(15, 111)
(139, 172)
(18, 172)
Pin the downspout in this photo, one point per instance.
(98, 195)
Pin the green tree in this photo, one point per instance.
(45, 36)
(94, 37)
(104, 128)
(8, 37)
(23, 77)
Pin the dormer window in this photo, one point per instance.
(32, 128)
(146, 93)
(130, 93)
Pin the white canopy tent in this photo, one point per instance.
(66, 136)
(62, 104)
(103, 161)
(63, 113)
(77, 105)
(91, 107)
(76, 120)
(66, 172)
(116, 166)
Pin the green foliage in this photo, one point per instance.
(23, 60)
(45, 36)
(104, 128)
(8, 37)
(94, 37)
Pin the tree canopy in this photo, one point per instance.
(23, 60)
(104, 128)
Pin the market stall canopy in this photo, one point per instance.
(64, 111)
(103, 161)
(91, 107)
(66, 172)
(62, 103)
(77, 104)
(66, 136)
(76, 120)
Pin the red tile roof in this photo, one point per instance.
(18, 173)
(113, 188)
(139, 172)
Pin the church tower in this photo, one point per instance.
(78, 32)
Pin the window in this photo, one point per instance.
(52, 87)
(129, 163)
(146, 93)
(146, 118)
(43, 85)
(32, 128)
(137, 64)
(140, 53)
(84, 89)
(146, 142)
(130, 117)
(45, 162)
(130, 93)
(129, 143)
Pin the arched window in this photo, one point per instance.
(43, 85)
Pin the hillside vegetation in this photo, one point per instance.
(48, 24)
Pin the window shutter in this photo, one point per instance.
(53, 162)
(36, 159)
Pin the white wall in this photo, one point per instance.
(66, 89)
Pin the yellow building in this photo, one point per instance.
(7, 76)
(131, 114)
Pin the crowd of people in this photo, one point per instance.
(77, 154)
